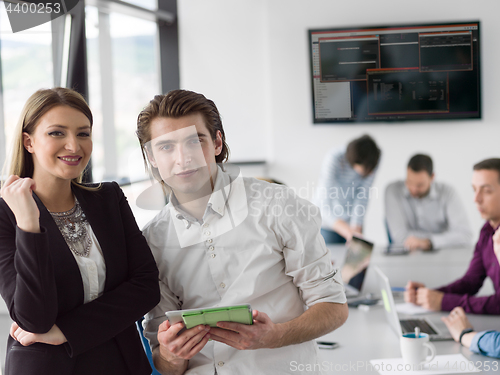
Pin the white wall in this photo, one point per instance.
(251, 57)
(223, 54)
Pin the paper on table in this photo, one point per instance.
(411, 309)
(441, 364)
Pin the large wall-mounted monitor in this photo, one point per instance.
(396, 73)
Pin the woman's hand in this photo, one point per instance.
(456, 322)
(53, 337)
(17, 193)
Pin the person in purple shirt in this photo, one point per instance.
(485, 262)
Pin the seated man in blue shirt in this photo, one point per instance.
(344, 188)
(485, 342)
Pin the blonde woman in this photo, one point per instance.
(75, 270)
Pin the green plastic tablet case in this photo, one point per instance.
(235, 314)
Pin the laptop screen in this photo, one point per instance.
(389, 305)
(356, 263)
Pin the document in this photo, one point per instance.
(411, 309)
(441, 364)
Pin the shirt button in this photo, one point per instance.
(212, 255)
(211, 248)
(209, 240)
(222, 285)
(221, 363)
(207, 233)
(205, 225)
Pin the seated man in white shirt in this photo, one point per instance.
(224, 239)
(424, 214)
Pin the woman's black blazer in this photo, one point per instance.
(41, 283)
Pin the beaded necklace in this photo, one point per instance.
(73, 227)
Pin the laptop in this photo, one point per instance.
(357, 259)
(436, 330)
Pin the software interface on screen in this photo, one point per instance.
(396, 73)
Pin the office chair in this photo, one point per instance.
(388, 233)
(145, 344)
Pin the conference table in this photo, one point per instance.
(367, 335)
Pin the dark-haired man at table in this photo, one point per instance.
(485, 262)
(424, 214)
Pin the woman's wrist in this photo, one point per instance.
(466, 336)
(29, 226)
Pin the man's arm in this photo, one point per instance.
(166, 368)
(172, 356)
(346, 231)
(317, 321)
(462, 291)
(437, 300)
(308, 263)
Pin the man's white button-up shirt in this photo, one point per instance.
(257, 244)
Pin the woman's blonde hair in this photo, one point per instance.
(42, 101)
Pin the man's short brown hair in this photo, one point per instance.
(363, 151)
(421, 162)
(492, 164)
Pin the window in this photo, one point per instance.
(123, 77)
(26, 60)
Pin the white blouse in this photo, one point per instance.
(92, 269)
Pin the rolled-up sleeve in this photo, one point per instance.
(307, 260)
(486, 343)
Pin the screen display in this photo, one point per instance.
(396, 73)
(359, 252)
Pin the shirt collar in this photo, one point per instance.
(216, 203)
(220, 195)
(488, 228)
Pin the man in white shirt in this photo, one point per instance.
(224, 239)
(424, 214)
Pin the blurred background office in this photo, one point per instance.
(252, 58)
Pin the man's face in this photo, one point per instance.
(418, 183)
(486, 187)
(360, 169)
(184, 153)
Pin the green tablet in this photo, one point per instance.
(210, 316)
